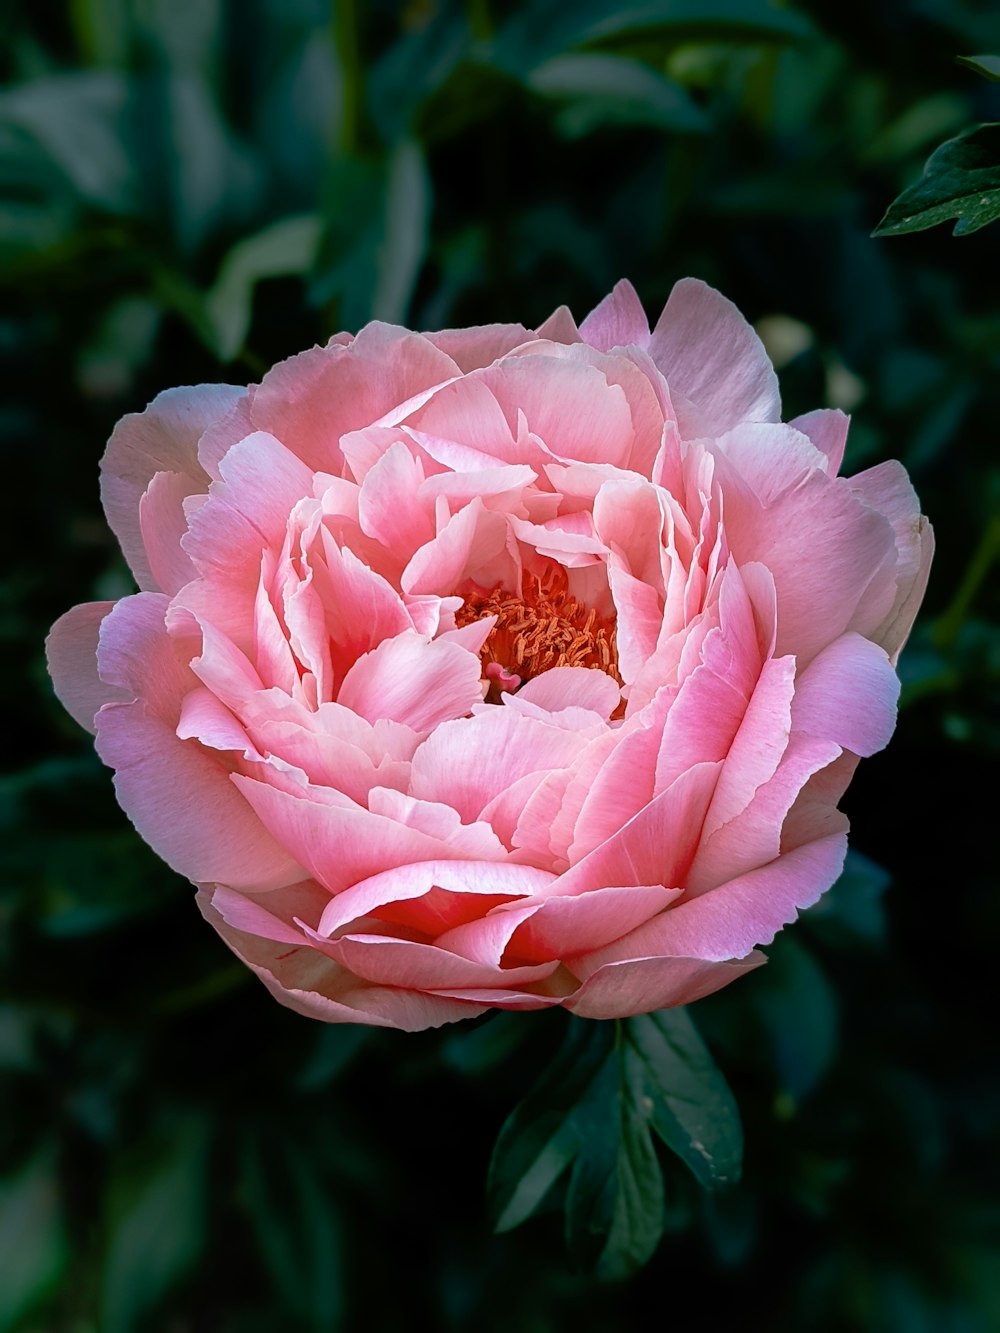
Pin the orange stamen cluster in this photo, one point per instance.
(544, 627)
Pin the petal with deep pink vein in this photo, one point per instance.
(163, 438)
(413, 680)
(71, 655)
(848, 694)
(710, 354)
(643, 985)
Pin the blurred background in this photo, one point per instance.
(191, 191)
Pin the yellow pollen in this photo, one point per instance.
(542, 628)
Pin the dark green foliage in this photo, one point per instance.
(961, 180)
(190, 192)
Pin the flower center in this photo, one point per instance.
(544, 627)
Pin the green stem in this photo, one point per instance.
(950, 623)
(345, 39)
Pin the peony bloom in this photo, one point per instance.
(494, 668)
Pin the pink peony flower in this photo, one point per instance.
(494, 668)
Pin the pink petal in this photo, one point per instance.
(415, 966)
(479, 346)
(827, 428)
(317, 987)
(163, 522)
(135, 654)
(163, 438)
(412, 881)
(565, 926)
(412, 680)
(248, 510)
(71, 655)
(468, 762)
(710, 354)
(183, 804)
(572, 687)
(617, 321)
(753, 837)
(746, 911)
(470, 540)
(655, 846)
(343, 843)
(887, 489)
(643, 985)
(388, 506)
(848, 694)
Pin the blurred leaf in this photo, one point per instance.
(78, 121)
(851, 913)
(286, 248)
(602, 89)
(614, 1204)
(543, 1134)
(961, 180)
(375, 236)
(692, 1108)
(988, 66)
(294, 1219)
(798, 1010)
(32, 1241)
(157, 1222)
(542, 30)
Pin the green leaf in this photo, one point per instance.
(851, 913)
(294, 1219)
(987, 66)
(602, 89)
(32, 1241)
(797, 1008)
(961, 180)
(542, 30)
(543, 1134)
(157, 1223)
(375, 236)
(614, 1204)
(691, 1107)
(286, 248)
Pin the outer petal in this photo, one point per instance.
(317, 987)
(163, 438)
(71, 654)
(711, 356)
(642, 985)
(617, 321)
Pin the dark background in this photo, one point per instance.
(192, 190)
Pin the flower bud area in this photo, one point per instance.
(543, 627)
